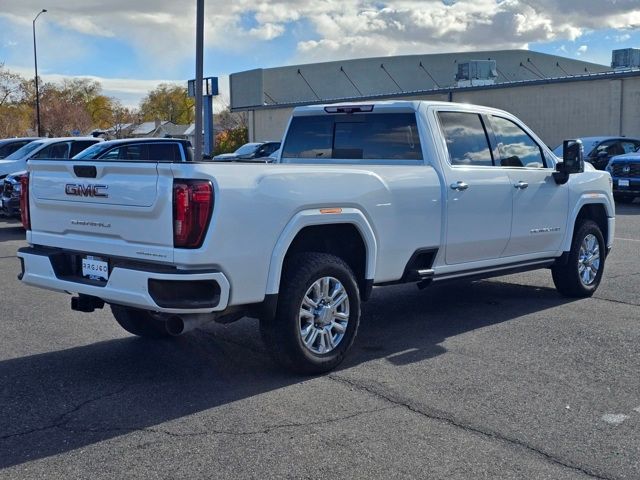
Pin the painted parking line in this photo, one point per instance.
(615, 418)
(628, 239)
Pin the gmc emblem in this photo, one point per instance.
(80, 190)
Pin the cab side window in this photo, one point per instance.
(135, 152)
(164, 152)
(80, 145)
(56, 150)
(515, 147)
(630, 146)
(466, 139)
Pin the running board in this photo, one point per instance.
(496, 271)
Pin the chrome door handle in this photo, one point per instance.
(521, 185)
(459, 186)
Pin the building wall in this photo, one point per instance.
(268, 124)
(554, 111)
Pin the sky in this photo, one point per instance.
(131, 46)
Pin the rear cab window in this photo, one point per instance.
(466, 139)
(354, 138)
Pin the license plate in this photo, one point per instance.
(623, 183)
(95, 268)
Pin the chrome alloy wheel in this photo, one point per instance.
(324, 315)
(589, 260)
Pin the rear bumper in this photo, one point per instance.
(141, 286)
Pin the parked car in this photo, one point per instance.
(12, 167)
(599, 150)
(250, 151)
(275, 156)
(130, 149)
(140, 149)
(625, 172)
(362, 195)
(10, 145)
(59, 148)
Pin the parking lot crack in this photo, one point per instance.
(63, 418)
(440, 416)
(261, 431)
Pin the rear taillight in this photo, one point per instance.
(24, 202)
(192, 207)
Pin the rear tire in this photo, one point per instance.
(139, 322)
(582, 273)
(317, 316)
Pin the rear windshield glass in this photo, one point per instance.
(24, 151)
(247, 149)
(381, 136)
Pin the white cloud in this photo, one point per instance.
(582, 49)
(267, 31)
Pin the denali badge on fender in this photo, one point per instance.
(80, 190)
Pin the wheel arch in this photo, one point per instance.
(594, 208)
(319, 226)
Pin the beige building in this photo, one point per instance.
(557, 97)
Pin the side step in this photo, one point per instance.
(425, 277)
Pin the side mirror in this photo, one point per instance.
(573, 161)
(573, 155)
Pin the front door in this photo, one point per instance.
(540, 206)
(479, 195)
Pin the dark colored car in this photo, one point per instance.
(140, 149)
(625, 172)
(599, 150)
(10, 199)
(10, 145)
(259, 151)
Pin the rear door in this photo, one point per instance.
(118, 208)
(479, 196)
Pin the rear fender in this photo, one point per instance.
(313, 217)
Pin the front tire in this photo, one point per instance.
(317, 316)
(582, 273)
(139, 322)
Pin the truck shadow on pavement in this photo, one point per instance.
(61, 401)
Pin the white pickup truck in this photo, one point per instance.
(361, 195)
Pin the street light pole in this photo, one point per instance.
(199, 75)
(35, 59)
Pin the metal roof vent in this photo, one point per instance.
(476, 72)
(625, 58)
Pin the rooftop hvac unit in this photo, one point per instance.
(476, 72)
(625, 58)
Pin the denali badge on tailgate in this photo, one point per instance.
(81, 190)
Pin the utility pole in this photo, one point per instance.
(199, 75)
(35, 59)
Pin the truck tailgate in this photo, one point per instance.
(112, 208)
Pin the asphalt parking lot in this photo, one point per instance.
(500, 378)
